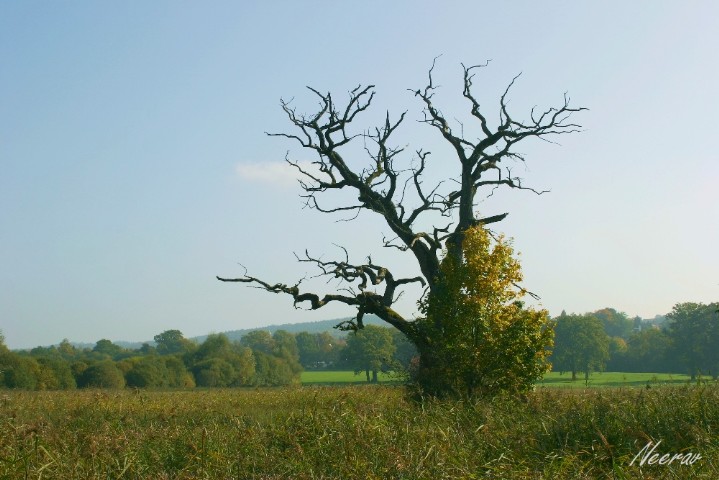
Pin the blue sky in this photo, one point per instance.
(134, 165)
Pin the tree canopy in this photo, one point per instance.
(370, 350)
(694, 330)
(484, 340)
(172, 342)
(581, 345)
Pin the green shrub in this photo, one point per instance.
(103, 374)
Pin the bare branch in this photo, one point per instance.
(481, 161)
(366, 301)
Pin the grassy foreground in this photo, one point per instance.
(370, 432)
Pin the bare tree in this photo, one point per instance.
(399, 195)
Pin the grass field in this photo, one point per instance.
(355, 432)
(614, 379)
(325, 377)
(553, 379)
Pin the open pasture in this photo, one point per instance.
(552, 379)
(341, 377)
(614, 379)
(373, 432)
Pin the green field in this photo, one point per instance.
(553, 379)
(614, 379)
(355, 432)
(340, 377)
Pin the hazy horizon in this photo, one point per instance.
(374, 320)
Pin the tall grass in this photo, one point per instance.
(354, 432)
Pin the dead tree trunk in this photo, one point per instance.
(399, 195)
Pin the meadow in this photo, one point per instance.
(552, 379)
(362, 432)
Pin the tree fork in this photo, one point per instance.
(379, 188)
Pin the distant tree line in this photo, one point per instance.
(259, 358)
(684, 341)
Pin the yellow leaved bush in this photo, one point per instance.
(485, 341)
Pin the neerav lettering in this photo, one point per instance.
(648, 456)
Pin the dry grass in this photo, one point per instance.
(353, 432)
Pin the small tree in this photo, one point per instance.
(177, 374)
(259, 341)
(649, 350)
(694, 330)
(370, 350)
(221, 363)
(108, 349)
(318, 350)
(484, 338)
(146, 372)
(103, 374)
(277, 357)
(616, 324)
(17, 371)
(67, 350)
(172, 342)
(618, 348)
(285, 349)
(309, 349)
(214, 372)
(580, 345)
(55, 374)
(405, 352)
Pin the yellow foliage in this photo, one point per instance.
(484, 338)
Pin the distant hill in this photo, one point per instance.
(311, 327)
(121, 343)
